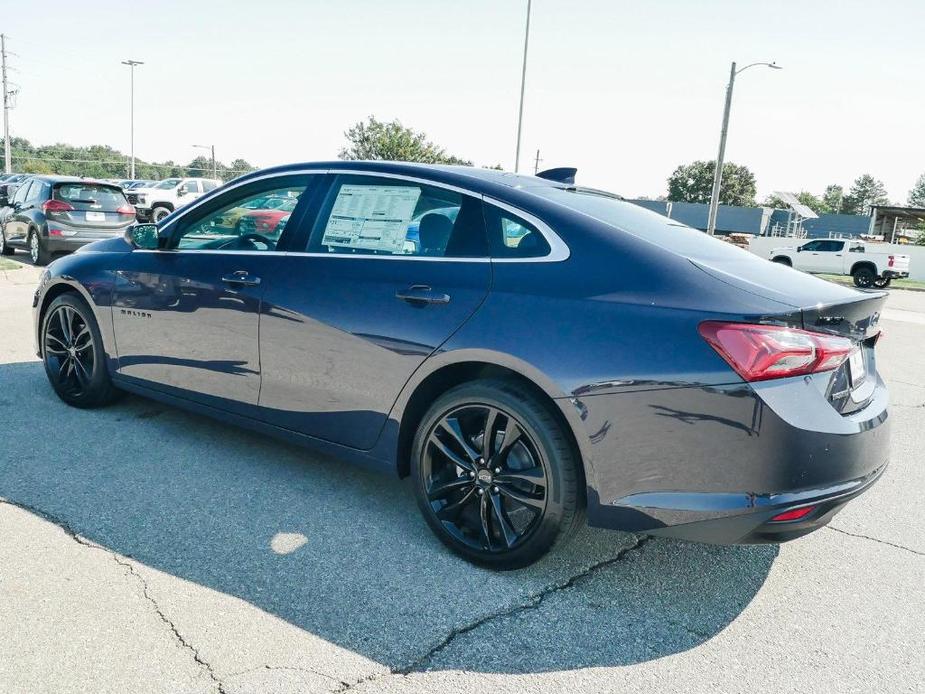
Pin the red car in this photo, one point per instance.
(266, 222)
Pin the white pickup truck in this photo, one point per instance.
(154, 203)
(869, 268)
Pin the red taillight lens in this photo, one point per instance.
(56, 206)
(794, 514)
(126, 209)
(891, 261)
(760, 352)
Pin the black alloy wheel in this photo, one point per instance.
(496, 480)
(864, 277)
(73, 355)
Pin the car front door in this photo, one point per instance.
(17, 225)
(808, 260)
(346, 322)
(186, 316)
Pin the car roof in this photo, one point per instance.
(470, 177)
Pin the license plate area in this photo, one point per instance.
(857, 369)
(96, 216)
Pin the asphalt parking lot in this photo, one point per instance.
(146, 549)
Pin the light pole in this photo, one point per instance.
(718, 174)
(523, 82)
(132, 64)
(212, 149)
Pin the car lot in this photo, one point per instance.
(225, 561)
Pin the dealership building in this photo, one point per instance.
(887, 221)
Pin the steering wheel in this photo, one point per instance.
(251, 239)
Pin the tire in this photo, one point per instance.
(863, 277)
(502, 507)
(158, 213)
(73, 355)
(4, 248)
(37, 251)
(882, 282)
(783, 261)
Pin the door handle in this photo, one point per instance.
(421, 295)
(241, 279)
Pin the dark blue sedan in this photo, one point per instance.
(530, 352)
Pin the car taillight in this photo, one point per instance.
(793, 514)
(761, 352)
(891, 261)
(56, 206)
(126, 209)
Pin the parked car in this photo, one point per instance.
(162, 198)
(132, 185)
(845, 257)
(52, 214)
(553, 352)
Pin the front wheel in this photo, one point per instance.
(864, 277)
(158, 213)
(72, 351)
(495, 476)
(882, 282)
(37, 252)
(4, 248)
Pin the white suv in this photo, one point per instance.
(154, 203)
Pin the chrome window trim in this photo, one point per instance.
(559, 251)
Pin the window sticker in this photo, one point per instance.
(371, 218)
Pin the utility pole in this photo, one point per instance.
(132, 64)
(7, 154)
(536, 164)
(212, 149)
(523, 82)
(718, 174)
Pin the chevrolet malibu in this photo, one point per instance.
(541, 353)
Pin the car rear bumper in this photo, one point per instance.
(78, 237)
(894, 274)
(717, 464)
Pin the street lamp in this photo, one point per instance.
(132, 64)
(212, 149)
(718, 174)
(523, 82)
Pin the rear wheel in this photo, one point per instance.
(863, 277)
(4, 248)
(495, 475)
(882, 282)
(158, 213)
(73, 355)
(37, 251)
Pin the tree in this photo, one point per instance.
(833, 198)
(393, 141)
(808, 199)
(865, 191)
(694, 183)
(917, 194)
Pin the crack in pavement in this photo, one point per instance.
(79, 539)
(532, 603)
(292, 668)
(875, 539)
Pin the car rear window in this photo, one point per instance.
(106, 198)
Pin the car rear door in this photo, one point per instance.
(186, 317)
(830, 255)
(349, 316)
(17, 225)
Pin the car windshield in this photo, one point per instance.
(167, 183)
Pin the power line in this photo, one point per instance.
(21, 157)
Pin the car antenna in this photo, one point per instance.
(562, 174)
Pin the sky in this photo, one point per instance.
(626, 91)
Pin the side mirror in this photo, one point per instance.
(799, 248)
(181, 191)
(142, 236)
